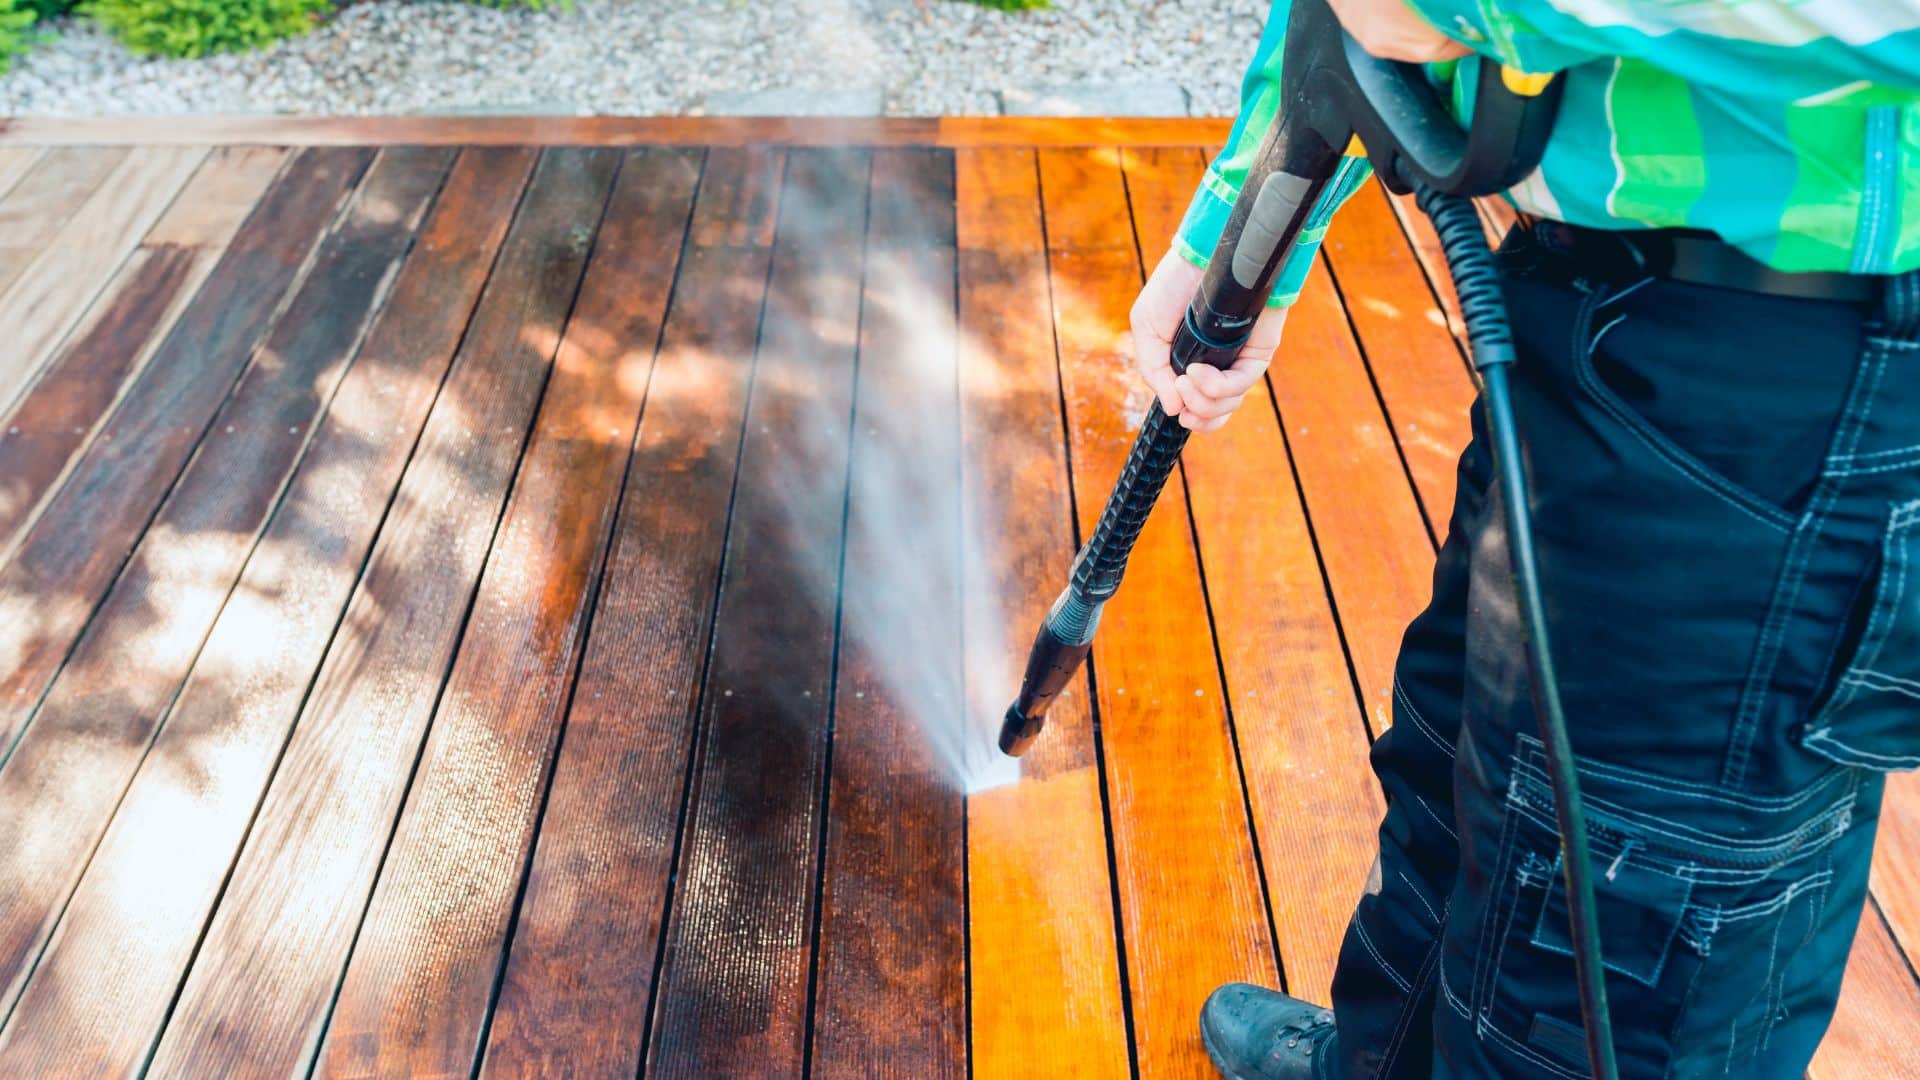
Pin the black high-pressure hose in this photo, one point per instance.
(1490, 345)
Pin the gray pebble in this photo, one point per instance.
(656, 57)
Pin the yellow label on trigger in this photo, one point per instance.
(1524, 83)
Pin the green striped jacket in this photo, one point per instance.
(1790, 128)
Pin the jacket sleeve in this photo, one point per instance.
(1786, 51)
(1259, 103)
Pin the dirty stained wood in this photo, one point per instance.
(734, 992)
(60, 786)
(536, 609)
(76, 391)
(190, 803)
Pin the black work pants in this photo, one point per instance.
(1726, 493)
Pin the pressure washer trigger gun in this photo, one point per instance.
(1333, 95)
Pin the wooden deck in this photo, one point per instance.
(408, 663)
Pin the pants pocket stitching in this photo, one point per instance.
(1903, 454)
(1481, 986)
(1893, 683)
(1754, 693)
(1453, 999)
(1861, 673)
(1499, 953)
(1888, 762)
(1676, 457)
(1535, 762)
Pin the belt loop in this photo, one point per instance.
(1900, 306)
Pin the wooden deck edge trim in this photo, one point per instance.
(614, 130)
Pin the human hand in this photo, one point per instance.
(1392, 30)
(1204, 397)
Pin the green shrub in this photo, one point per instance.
(200, 27)
(47, 9)
(16, 32)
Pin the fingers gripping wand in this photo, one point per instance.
(1332, 93)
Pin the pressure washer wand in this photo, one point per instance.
(1288, 179)
(1333, 92)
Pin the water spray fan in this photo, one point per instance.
(1336, 98)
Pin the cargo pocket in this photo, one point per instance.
(1681, 872)
(1640, 908)
(1871, 716)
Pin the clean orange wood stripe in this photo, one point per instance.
(1433, 262)
(151, 884)
(53, 424)
(1877, 1024)
(577, 988)
(1410, 352)
(265, 975)
(1896, 860)
(1160, 185)
(1189, 889)
(61, 567)
(1303, 745)
(733, 1001)
(891, 992)
(1046, 980)
(1373, 542)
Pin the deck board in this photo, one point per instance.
(734, 992)
(60, 569)
(890, 992)
(52, 424)
(418, 989)
(262, 982)
(1031, 977)
(1190, 894)
(1297, 722)
(475, 608)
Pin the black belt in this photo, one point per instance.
(1701, 258)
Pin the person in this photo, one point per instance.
(1717, 310)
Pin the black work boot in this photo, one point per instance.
(1253, 1033)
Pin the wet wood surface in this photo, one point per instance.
(543, 610)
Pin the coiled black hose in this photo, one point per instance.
(1490, 344)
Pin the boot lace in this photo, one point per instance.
(1303, 1035)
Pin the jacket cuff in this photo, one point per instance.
(1207, 216)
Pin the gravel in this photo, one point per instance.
(655, 57)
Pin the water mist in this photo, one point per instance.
(918, 548)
